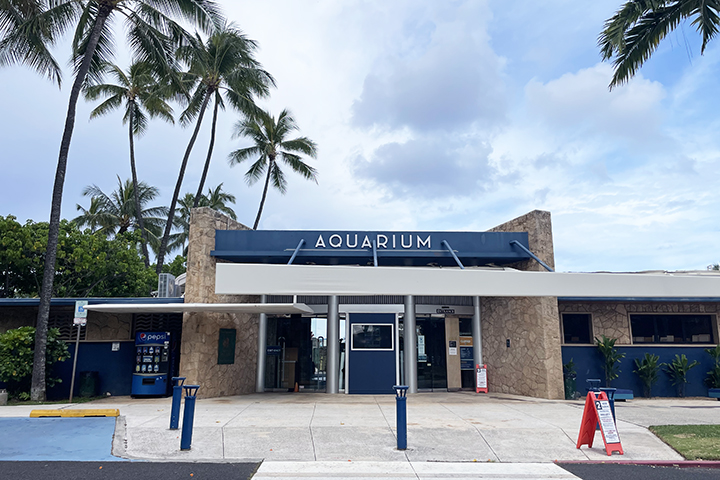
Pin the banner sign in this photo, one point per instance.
(154, 338)
(481, 379)
(597, 412)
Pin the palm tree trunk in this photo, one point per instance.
(271, 164)
(209, 155)
(136, 194)
(37, 386)
(176, 194)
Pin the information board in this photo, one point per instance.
(597, 412)
(481, 379)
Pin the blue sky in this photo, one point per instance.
(455, 115)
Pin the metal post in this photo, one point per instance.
(188, 416)
(477, 333)
(401, 415)
(177, 397)
(262, 347)
(333, 345)
(410, 352)
(72, 378)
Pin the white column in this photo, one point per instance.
(477, 333)
(262, 347)
(333, 347)
(410, 351)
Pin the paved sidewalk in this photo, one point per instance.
(442, 427)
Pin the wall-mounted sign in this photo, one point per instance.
(273, 350)
(115, 346)
(447, 311)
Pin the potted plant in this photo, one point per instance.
(612, 357)
(647, 369)
(677, 370)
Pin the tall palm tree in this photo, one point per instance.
(215, 199)
(139, 92)
(116, 213)
(30, 27)
(224, 65)
(632, 35)
(270, 144)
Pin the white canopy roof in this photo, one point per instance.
(272, 308)
(256, 279)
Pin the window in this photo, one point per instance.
(372, 336)
(577, 328)
(672, 328)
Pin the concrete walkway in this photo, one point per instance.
(442, 427)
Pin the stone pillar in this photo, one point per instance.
(410, 352)
(201, 330)
(333, 349)
(532, 364)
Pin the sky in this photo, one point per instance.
(439, 116)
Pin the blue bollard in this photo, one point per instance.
(177, 397)
(188, 416)
(401, 402)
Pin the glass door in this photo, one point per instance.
(431, 362)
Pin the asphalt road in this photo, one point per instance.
(639, 472)
(126, 470)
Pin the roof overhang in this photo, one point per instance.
(257, 279)
(271, 308)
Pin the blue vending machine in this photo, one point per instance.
(152, 363)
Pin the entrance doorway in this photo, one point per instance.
(431, 362)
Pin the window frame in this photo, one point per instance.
(360, 349)
(713, 328)
(591, 328)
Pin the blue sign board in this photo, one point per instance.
(151, 338)
(274, 350)
(358, 248)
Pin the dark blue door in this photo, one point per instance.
(372, 353)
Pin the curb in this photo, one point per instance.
(648, 463)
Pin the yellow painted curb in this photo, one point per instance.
(76, 413)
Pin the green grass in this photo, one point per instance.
(694, 442)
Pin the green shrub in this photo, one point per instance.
(713, 376)
(648, 369)
(569, 379)
(17, 348)
(677, 370)
(611, 356)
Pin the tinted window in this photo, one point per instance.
(466, 327)
(576, 328)
(672, 328)
(372, 337)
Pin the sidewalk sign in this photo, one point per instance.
(79, 320)
(597, 411)
(481, 379)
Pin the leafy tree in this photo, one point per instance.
(677, 370)
(116, 213)
(632, 35)
(271, 142)
(177, 267)
(224, 64)
(30, 27)
(647, 369)
(215, 199)
(16, 359)
(611, 358)
(141, 96)
(713, 376)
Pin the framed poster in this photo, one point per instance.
(226, 346)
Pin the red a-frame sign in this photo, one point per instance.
(481, 383)
(597, 411)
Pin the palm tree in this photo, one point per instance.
(631, 35)
(141, 95)
(116, 213)
(270, 143)
(215, 199)
(30, 27)
(224, 64)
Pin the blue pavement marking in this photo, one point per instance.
(57, 439)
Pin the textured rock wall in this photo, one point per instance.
(200, 334)
(16, 317)
(532, 365)
(109, 326)
(612, 319)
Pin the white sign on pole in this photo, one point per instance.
(80, 317)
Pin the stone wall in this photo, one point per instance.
(103, 326)
(16, 317)
(612, 319)
(200, 334)
(532, 364)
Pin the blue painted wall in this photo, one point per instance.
(588, 364)
(114, 368)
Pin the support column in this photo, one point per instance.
(477, 333)
(333, 346)
(410, 351)
(262, 347)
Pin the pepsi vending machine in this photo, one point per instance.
(152, 363)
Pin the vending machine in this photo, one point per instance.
(152, 363)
